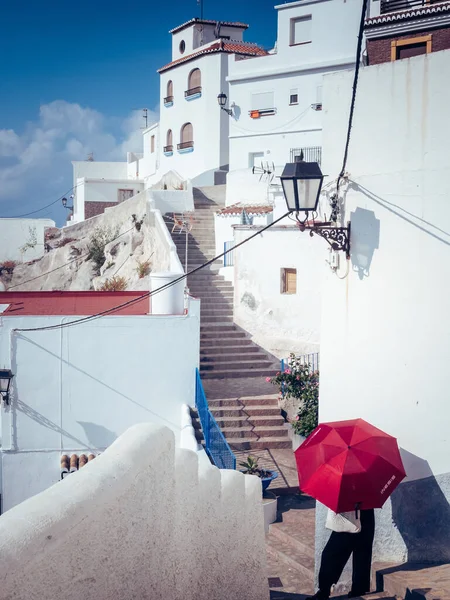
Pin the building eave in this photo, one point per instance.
(197, 21)
(409, 13)
(426, 23)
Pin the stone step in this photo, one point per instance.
(427, 581)
(219, 303)
(216, 311)
(301, 540)
(291, 555)
(245, 365)
(259, 421)
(235, 349)
(250, 411)
(219, 329)
(244, 401)
(262, 443)
(250, 432)
(227, 359)
(233, 374)
(228, 341)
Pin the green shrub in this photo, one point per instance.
(97, 243)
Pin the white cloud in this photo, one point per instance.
(36, 165)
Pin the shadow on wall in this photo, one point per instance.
(97, 435)
(365, 240)
(421, 512)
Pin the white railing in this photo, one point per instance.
(142, 520)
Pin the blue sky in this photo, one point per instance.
(71, 74)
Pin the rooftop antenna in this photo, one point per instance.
(90, 157)
(200, 3)
(144, 116)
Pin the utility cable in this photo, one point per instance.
(158, 290)
(44, 207)
(355, 87)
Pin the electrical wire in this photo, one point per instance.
(355, 87)
(44, 207)
(65, 264)
(154, 292)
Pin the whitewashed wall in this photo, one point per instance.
(15, 234)
(300, 68)
(386, 329)
(281, 323)
(76, 389)
(103, 532)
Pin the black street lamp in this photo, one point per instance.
(64, 203)
(5, 381)
(222, 100)
(302, 184)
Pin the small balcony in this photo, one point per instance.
(168, 150)
(185, 147)
(193, 93)
(168, 101)
(310, 154)
(389, 6)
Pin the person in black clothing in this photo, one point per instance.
(338, 550)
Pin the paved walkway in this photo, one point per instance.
(280, 460)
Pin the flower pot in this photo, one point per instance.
(266, 481)
(270, 509)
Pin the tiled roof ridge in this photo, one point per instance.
(408, 13)
(228, 46)
(209, 22)
(251, 209)
(74, 462)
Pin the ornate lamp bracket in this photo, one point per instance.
(337, 237)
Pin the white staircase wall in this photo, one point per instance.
(142, 520)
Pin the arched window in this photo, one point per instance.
(169, 142)
(195, 82)
(168, 100)
(186, 137)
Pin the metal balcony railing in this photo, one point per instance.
(185, 145)
(168, 148)
(168, 99)
(193, 91)
(388, 6)
(310, 154)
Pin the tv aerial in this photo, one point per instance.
(266, 172)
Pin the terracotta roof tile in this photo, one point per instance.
(230, 47)
(70, 464)
(409, 13)
(255, 209)
(236, 24)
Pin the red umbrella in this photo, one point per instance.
(346, 463)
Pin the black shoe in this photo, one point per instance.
(319, 596)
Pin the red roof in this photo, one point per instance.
(71, 303)
(243, 48)
(236, 209)
(236, 24)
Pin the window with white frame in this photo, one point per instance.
(288, 281)
(293, 97)
(300, 30)
(262, 100)
(255, 159)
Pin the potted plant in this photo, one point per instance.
(250, 467)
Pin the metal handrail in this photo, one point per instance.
(313, 360)
(168, 99)
(168, 148)
(216, 445)
(193, 91)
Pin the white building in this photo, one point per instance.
(23, 240)
(385, 341)
(278, 98)
(76, 389)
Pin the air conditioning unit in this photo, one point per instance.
(317, 106)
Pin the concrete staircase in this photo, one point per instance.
(232, 367)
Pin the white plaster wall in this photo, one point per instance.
(103, 532)
(108, 191)
(15, 233)
(209, 125)
(385, 329)
(98, 170)
(281, 323)
(78, 388)
(149, 163)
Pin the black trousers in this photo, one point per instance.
(338, 550)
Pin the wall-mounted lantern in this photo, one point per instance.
(302, 184)
(222, 100)
(64, 203)
(6, 376)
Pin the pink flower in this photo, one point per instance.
(298, 377)
(288, 371)
(278, 373)
(268, 379)
(297, 418)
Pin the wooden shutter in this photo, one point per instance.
(187, 133)
(195, 79)
(169, 138)
(169, 88)
(288, 281)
